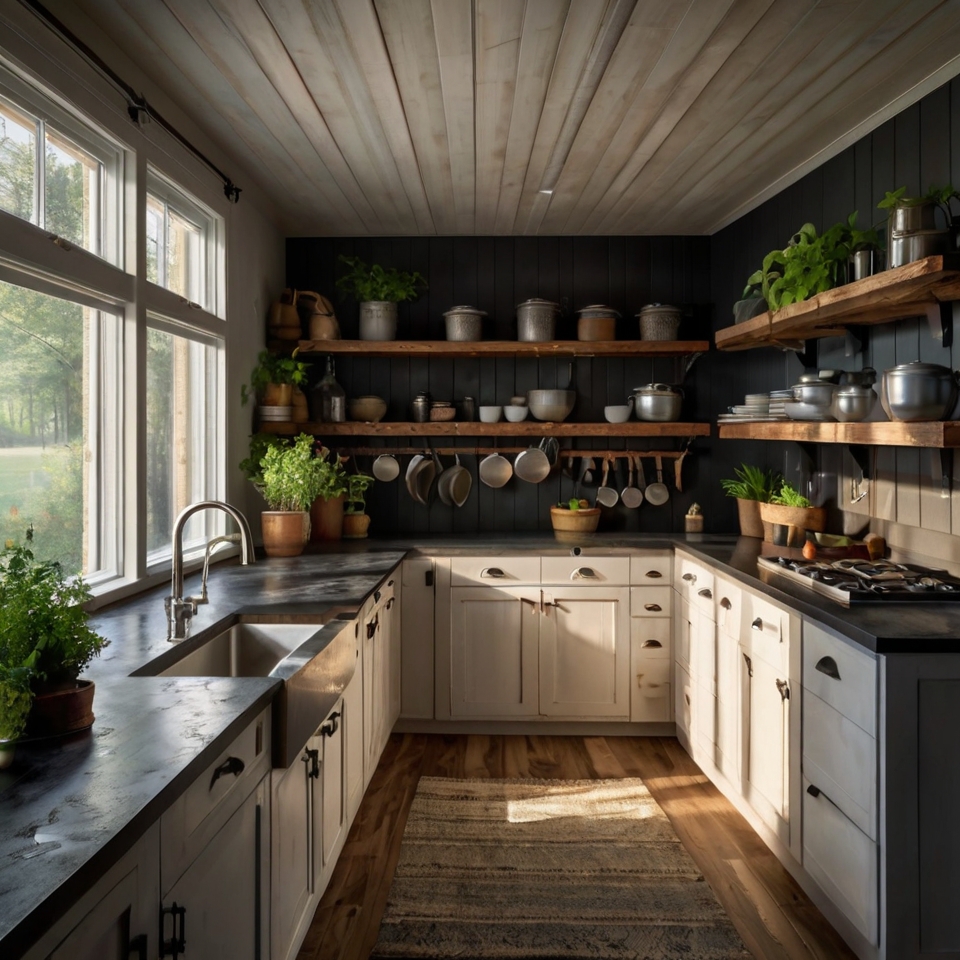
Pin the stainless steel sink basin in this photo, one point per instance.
(314, 660)
(243, 650)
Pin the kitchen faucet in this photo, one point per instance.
(179, 608)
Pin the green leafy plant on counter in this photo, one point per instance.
(370, 283)
(752, 483)
(260, 443)
(274, 368)
(789, 496)
(357, 486)
(293, 476)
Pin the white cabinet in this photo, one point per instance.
(353, 741)
(585, 652)
(417, 626)
(494, 656)
(380, 638)
(117, 918)
(651, 663)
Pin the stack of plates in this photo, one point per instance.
(777, 400)
(755, 407)
(276, 413)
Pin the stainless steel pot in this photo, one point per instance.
(918, 391)
(853, 403)
(657, 402)
(818, 392)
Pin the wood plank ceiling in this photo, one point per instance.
(454, 117)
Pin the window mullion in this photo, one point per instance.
(41, 175)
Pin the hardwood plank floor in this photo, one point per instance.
(773, 915)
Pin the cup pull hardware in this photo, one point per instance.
(584, 573)
(232, 765)
(828, 666)
(757, 624)
(725, 603)
(706, 593)
(652, 643)
(653, 574)
(494, 573)
(784, 689)
(749, 664)
(653, 607)
(689, 577)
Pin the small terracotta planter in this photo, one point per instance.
(278, 395)
(355, 526)
(285, 532)
(796, 520)
(61, 711)
(326, 517)
(750, 523)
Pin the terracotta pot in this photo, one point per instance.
(61, 711)
(797, 520)
(285, 532)
(750, 523)
(301, 412)
(277, 395)
(355, 526)
(327, 519)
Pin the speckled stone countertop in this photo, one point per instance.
(69, 810)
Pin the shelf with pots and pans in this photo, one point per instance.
(915, 289)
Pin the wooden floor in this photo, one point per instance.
(773, 915)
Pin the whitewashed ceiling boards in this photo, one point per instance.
(423, 117)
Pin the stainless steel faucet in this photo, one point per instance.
(179, 608)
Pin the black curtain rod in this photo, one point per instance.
(137, 105)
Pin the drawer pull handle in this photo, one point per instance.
(749, 663)
(757, 624)
(706, 593)
(828, 666)
(652, 643)
(494, 573)
(176, 944)
(232, 765)
(584, 573)
(653, 607)
(784, 689)
(138, 946)
(653, 574)
(725, 603)
(312, 759)
(372, 627)
(813, 791)
(330, 726)
(689, 577)
(376, 596)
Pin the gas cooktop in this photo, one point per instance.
(866, 581)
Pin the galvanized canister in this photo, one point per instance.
(464, 323)
(537, 320)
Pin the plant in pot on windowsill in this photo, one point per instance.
(274, 379)
(378, 292)
(291, 478)
(45, 643)
(355, 519)
(751, 487)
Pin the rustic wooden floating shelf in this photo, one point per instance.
(915, 290)
(526, 428)
(506, 348)
(936, 434)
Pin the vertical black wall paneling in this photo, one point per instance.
(636, 282)
(839, 176)
(811, 187)
(503, 290)
(935, 139)
(661, 269)
(443, 264)
(906, 156)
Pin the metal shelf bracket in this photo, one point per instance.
(946, 471)
(855, 340)
(807, 355)
(863, 457)
(940, 319)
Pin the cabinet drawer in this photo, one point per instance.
(585, 570)
(765, 630)
(841, 759)
(493, 570)
(840, 675)
(650, 699)
(695, 583)
(650, 601)
(728, 598)
(651, 568)
(842, 860)
(198, 813)
(650, 638)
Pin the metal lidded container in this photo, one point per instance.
(537, 320)
(919, 391)
(597, 322)
(420, 408)
(464, 323)
(659, 321)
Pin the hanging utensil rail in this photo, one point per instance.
(483, 450)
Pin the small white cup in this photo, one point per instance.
(515, 413)
(617, 413)
(490, 414)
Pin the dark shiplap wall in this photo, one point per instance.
(495, 274)
(917, 148)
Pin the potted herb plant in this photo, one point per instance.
(791, 515)
(291, 478)
(378, 292)
(355, 519)
(863, 246)
(911, 224)
(752, 486)
(326, 513)
(45, 644)
(274, 378)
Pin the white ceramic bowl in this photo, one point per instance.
(515, 413)
(490, 414)
(617, 413)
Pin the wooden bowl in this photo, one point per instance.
(584, 520)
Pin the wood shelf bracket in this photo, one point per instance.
(940, 319)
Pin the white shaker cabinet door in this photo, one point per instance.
(585, 653)
(494, 639)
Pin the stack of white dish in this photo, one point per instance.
(275, 414)
(755, 407)
(777, 400)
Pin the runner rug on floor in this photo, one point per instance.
(548, 868)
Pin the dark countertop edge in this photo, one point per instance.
(59, 901)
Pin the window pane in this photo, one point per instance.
(155, 246)
(72, 192)
(56, 459)
(184, 257)
(18, 163)
(182, 438)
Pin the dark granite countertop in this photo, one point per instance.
(68, 810)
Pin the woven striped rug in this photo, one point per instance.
(548, 869)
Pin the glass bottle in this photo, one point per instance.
(329, 399)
